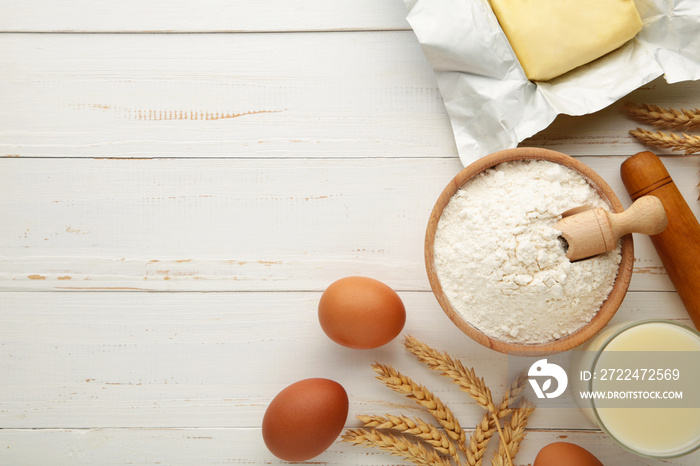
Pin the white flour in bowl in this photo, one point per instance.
(500, 261)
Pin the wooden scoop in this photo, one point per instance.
(589, 232)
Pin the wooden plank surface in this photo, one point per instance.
(179, 182)
(86, 372)
(238, 224)
(206, 360)
(209, 95)
(362, 94)
(202, 16)
(205, 447)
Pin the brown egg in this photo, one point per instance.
(560, 453)
(361, 313)
(304, 419)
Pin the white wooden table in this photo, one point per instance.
(179, 182)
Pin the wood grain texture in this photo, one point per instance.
(85, 372)
(205, 447)
(232, 95)
(101, 360)
(365, 94)
(238, 224)
(254, 151)
(678, 246)
(202, 16)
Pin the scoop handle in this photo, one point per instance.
(646, 215)
(678, 245)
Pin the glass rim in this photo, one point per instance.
(675, 454)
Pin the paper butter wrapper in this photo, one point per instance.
(491, 103)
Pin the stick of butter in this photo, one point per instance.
(551, 37)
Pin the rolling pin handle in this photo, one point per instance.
(679, 244)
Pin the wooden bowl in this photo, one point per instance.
(608, 308)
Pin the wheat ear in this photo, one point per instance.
(465, 378)
(668, 118)
(512, 395)
(513, 434)
(406, 386)
(478, 441)
(396, 445)
(414, 426)
(688, 143)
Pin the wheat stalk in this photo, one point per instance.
(512, 394)
(688, 143)
(396, 445)
(406, 386)
(513, 434)
(465, 378)
(416, 427)
(668, 118)
(478, 442)
(479, 439)
(423, 443)
(475, 386)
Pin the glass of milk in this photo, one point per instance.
(642, 384)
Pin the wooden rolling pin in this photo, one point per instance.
(679, 244)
